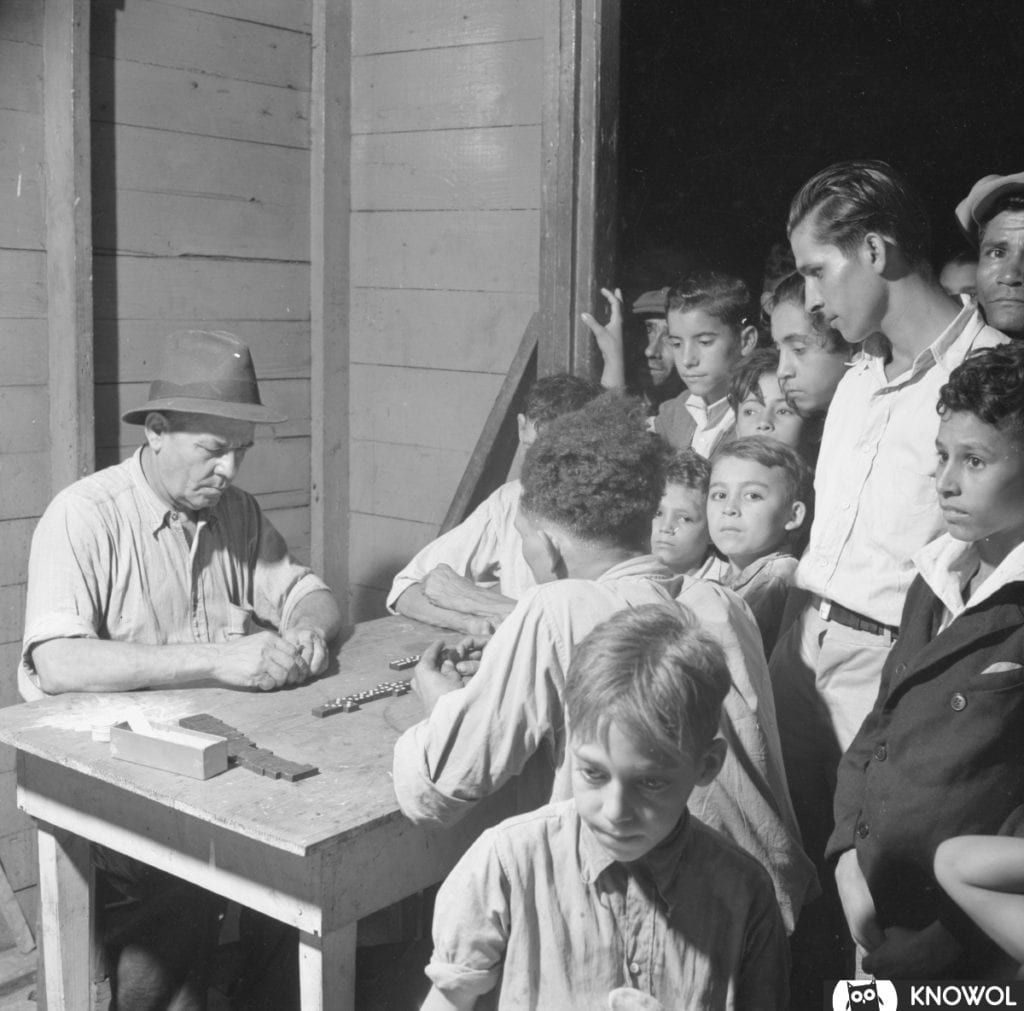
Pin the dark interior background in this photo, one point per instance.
(727, 106)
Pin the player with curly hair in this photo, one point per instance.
(591, 485)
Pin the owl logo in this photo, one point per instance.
(864, 995)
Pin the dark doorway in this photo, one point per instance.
(728, 106)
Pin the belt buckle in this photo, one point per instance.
(825, 609)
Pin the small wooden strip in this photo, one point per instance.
(496, 448)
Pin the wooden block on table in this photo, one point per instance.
(172, 748)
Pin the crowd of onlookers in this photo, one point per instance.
(747, 634)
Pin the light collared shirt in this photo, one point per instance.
(947, 566)
(485, 547)
(714, 422)
(538, 911)
(510, 719)
(764, 586)
(875, 500)
(110, 560)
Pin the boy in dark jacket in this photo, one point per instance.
(942, 752)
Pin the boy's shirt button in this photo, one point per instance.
(958, 702)
(634, 968)
(881, 753)
(901, 668)
(863, 831)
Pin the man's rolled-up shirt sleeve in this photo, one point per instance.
(480, 736)
(280, 582)
(64, 598)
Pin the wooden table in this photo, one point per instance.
(318, 854)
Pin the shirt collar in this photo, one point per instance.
(944, 351)
(706, 415)
(661, 864)
(947, 565)
(744, 576)
(649, 566)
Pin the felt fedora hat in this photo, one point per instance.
(205, 372)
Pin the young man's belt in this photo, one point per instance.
(831, 611)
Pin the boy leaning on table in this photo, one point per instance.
(158, 572)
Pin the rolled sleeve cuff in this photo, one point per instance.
(398, 587)
(309, 583)
(453, 979)
(55, 627)
(418, 796)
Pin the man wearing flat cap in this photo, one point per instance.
(992, 215)
(158, 572)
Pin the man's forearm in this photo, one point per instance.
(319, 611)
(413, 604)
(483, 601)
(101, 665)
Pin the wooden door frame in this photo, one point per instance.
(579, 177)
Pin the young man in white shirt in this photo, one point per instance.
(861, 237)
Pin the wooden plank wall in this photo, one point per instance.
(24, 404)
(200, 134)
(446, 112)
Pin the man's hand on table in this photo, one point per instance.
(312, 646)
(436, 675)
(265, 661)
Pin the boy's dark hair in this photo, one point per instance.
(778, 265)
(688, 468)
(597, 473)
(746, 375)
(552, 396)
(852, 198)
(655, 676)
(720, 295)
(771, 453)
(989, 384)
(1009, 202)
(791, 292)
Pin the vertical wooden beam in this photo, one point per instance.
(329, 280)
(68, 238)
(578, 177)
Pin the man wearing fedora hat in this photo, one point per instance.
(157, 572)
(992, 215)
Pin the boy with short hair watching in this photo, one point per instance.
(710, 328)
(619, 887)
(470, 577)
(942, 751)
(679, 533)
(756, 507)
(757, 398)
(591, 484)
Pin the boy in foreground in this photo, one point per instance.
(941, 753)
(619, 887)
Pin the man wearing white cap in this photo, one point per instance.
(992, 215)
(157, 572)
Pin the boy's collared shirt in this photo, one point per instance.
(539, 910)
(947, 565)
(875, 500)
(485, 547)
(764, 586)
(686, 421)
(714, 422)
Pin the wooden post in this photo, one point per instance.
(68, 239)
(329, 280)
(578, 177)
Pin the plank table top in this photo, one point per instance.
(352, 791)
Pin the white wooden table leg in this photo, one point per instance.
(65, 897)
(327, 970)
